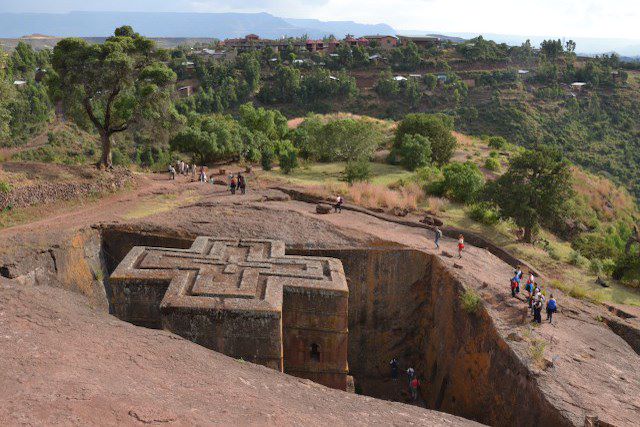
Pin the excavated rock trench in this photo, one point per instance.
(403, 303)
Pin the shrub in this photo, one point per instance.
(492, 164)
(497, 142)
(462, 181)
(288, 160)
(287, 156)
(266, 158)
(553, 252)
(578, 260)
(536, 350)
(470, 301)
(594, 246)
(595, 267)
(484, 213)
(359, 170)
(5, 187)
(415, 151)
(119, 159)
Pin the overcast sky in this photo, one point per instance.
(571, 18)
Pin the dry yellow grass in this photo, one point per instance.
(371, 195)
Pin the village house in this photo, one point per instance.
(425, 42)
(384, 41)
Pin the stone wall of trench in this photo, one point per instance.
(406, 304)
(403, 303)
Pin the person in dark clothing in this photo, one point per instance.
(242, 184)
(537, 310)
(394, 368)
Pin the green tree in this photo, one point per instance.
(347, 140)
(535, 189)
(386, 86)
(209, 138)
(357, 170)
(415, 151)
(462, 181)
(270, 122)
(552, 49)
(287, 156)
(436, 127)
(411, 92)
(116, 82)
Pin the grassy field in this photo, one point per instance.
(324, 173)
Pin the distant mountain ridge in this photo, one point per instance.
(172, 24)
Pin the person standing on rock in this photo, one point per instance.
(438, 233)
(410, 373)
(515, 285)
(394, 368)
(338, 206)
(233, 184)
(537, 308)
(552, 307)
(460, 245)
(415, 383)
(242, 184)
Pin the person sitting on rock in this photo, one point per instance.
(552, 307)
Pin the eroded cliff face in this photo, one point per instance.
(406, 304)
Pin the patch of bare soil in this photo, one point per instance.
(63, 363)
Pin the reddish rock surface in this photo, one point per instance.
(64, 363)
(585, 368)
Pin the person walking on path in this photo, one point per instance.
(460, 245)
(438, 233)
(338, 206)
(515, 285)
(415, 383)
(537, 308)
(193, 172)
(394, 368)
(552, 307)
(242, 184)
(172, 172)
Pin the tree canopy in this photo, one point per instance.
(436, 127)
(534, 190)
(115, 83)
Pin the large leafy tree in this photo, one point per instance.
(209, 138)
(436, 127)
(116, 83)
(535, 189)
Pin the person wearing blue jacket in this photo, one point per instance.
(552, 307)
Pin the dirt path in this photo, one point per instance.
(153, 192)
